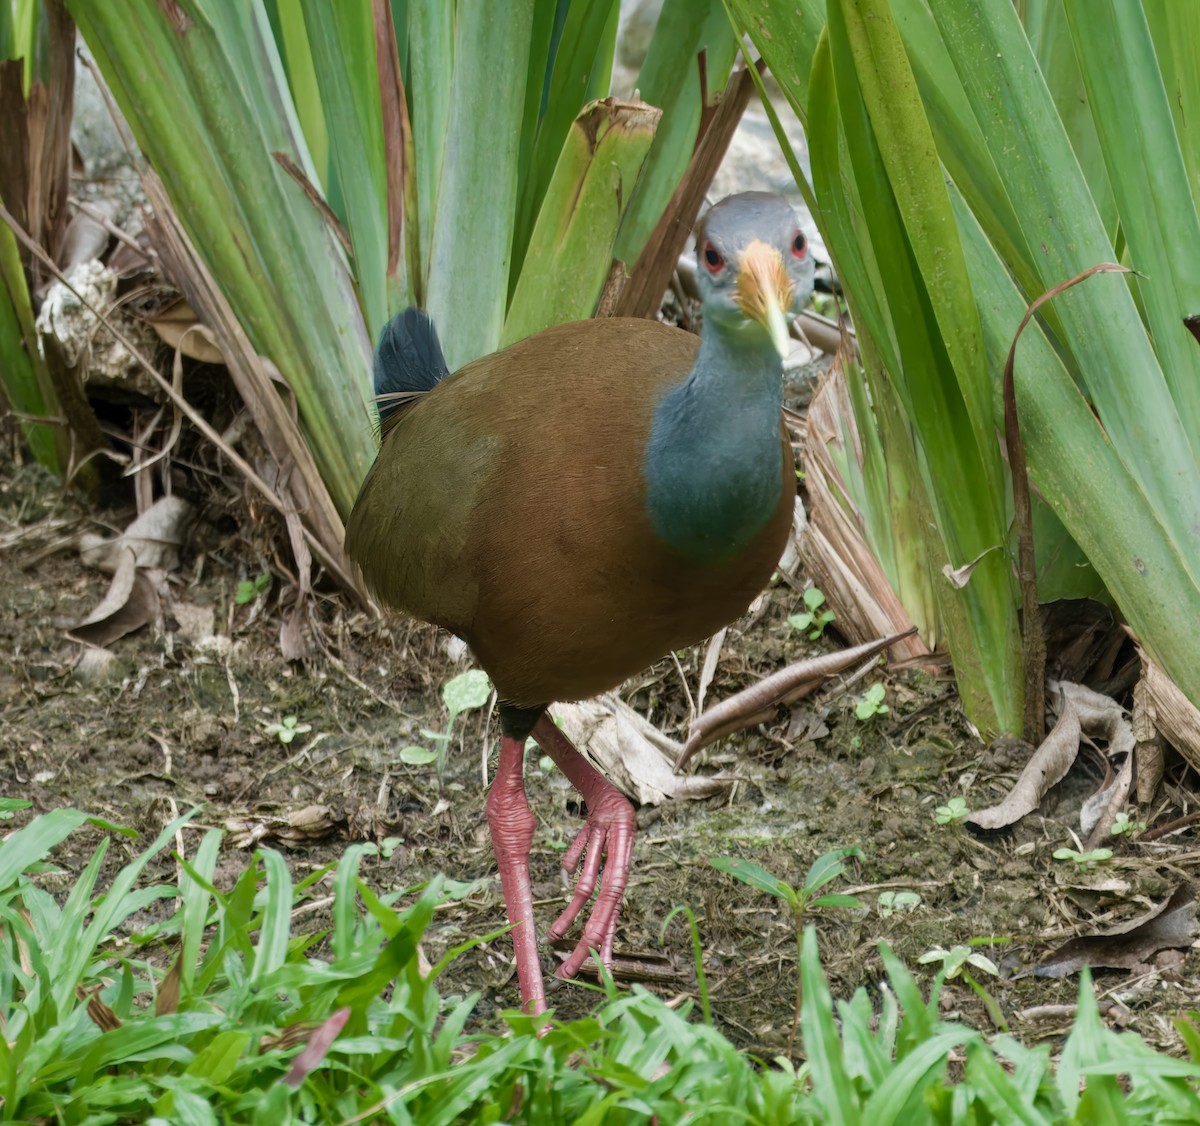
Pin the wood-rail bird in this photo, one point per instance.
(580, 504)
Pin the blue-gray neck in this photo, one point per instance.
(713, 460)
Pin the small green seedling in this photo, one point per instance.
(416, 755)
(809, 619)
(824, 869)
(1084, 860)
(954, 812)
(9, 806)
(1125, 826)
(461, 693)
(956, 961)
(386, 847)
(871, 704)
(288, 729)
(894, 902)
(249, 589)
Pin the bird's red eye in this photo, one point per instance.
(713, 258)
(799, 245)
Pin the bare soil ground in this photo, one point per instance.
(178, 725)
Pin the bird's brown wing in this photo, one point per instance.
(519, 476)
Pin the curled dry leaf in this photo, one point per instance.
(131, 602)
(1131, 945)
(312, 823)
(635, 756)
(179, 328)
(1048, 766)
(1100, 716)
(958, 577)
(1102, 815)
(154, 538)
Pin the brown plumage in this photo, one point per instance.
(578, 505)
(525, 532)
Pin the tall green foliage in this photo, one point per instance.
(955, 180)
(278, 126)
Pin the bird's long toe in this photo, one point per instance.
(608, 837)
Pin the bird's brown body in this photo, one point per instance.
(578, 505)
(509, 506)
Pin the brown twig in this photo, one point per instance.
(1032, 639)
(757, 703)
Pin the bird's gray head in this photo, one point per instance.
(753, 265)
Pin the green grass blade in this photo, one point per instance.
(832, 1087)
(272, 947)
(24, 380)
(1045, 23)
(1175, 28)
(1086, 480)
(428, 80)
(575, 59)
(898, 314)
(196, 898)
(343, 53)
(287, 21)
(790, 42)
(1102, 327)
(31, 844)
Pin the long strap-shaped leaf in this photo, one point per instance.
(202, 86)
(1101, 326)
(1150, 182)
(965, 492)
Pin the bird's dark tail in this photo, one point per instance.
(408, 363)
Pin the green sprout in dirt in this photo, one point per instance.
(810, 619)
(1125, 826)
(9, 806)
(959, 960)
(894, 902)
(288, 729)
(1084, 860)
(800, 901)
(871, 704)
(249, 589)
(461, 693)
(954, 812)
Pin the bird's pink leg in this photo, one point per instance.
(512, 823)
(609, 833)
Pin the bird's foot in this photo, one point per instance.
(606, 838)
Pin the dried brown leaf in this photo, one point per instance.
(1048, 766)
(154, 538)
(1129, 946)
(757, 703)
(632, 753)
(315, 1050)
(167, 999)
(131, 602)
(178, 327)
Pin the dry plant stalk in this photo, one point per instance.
(299, 477)
(831, 542)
